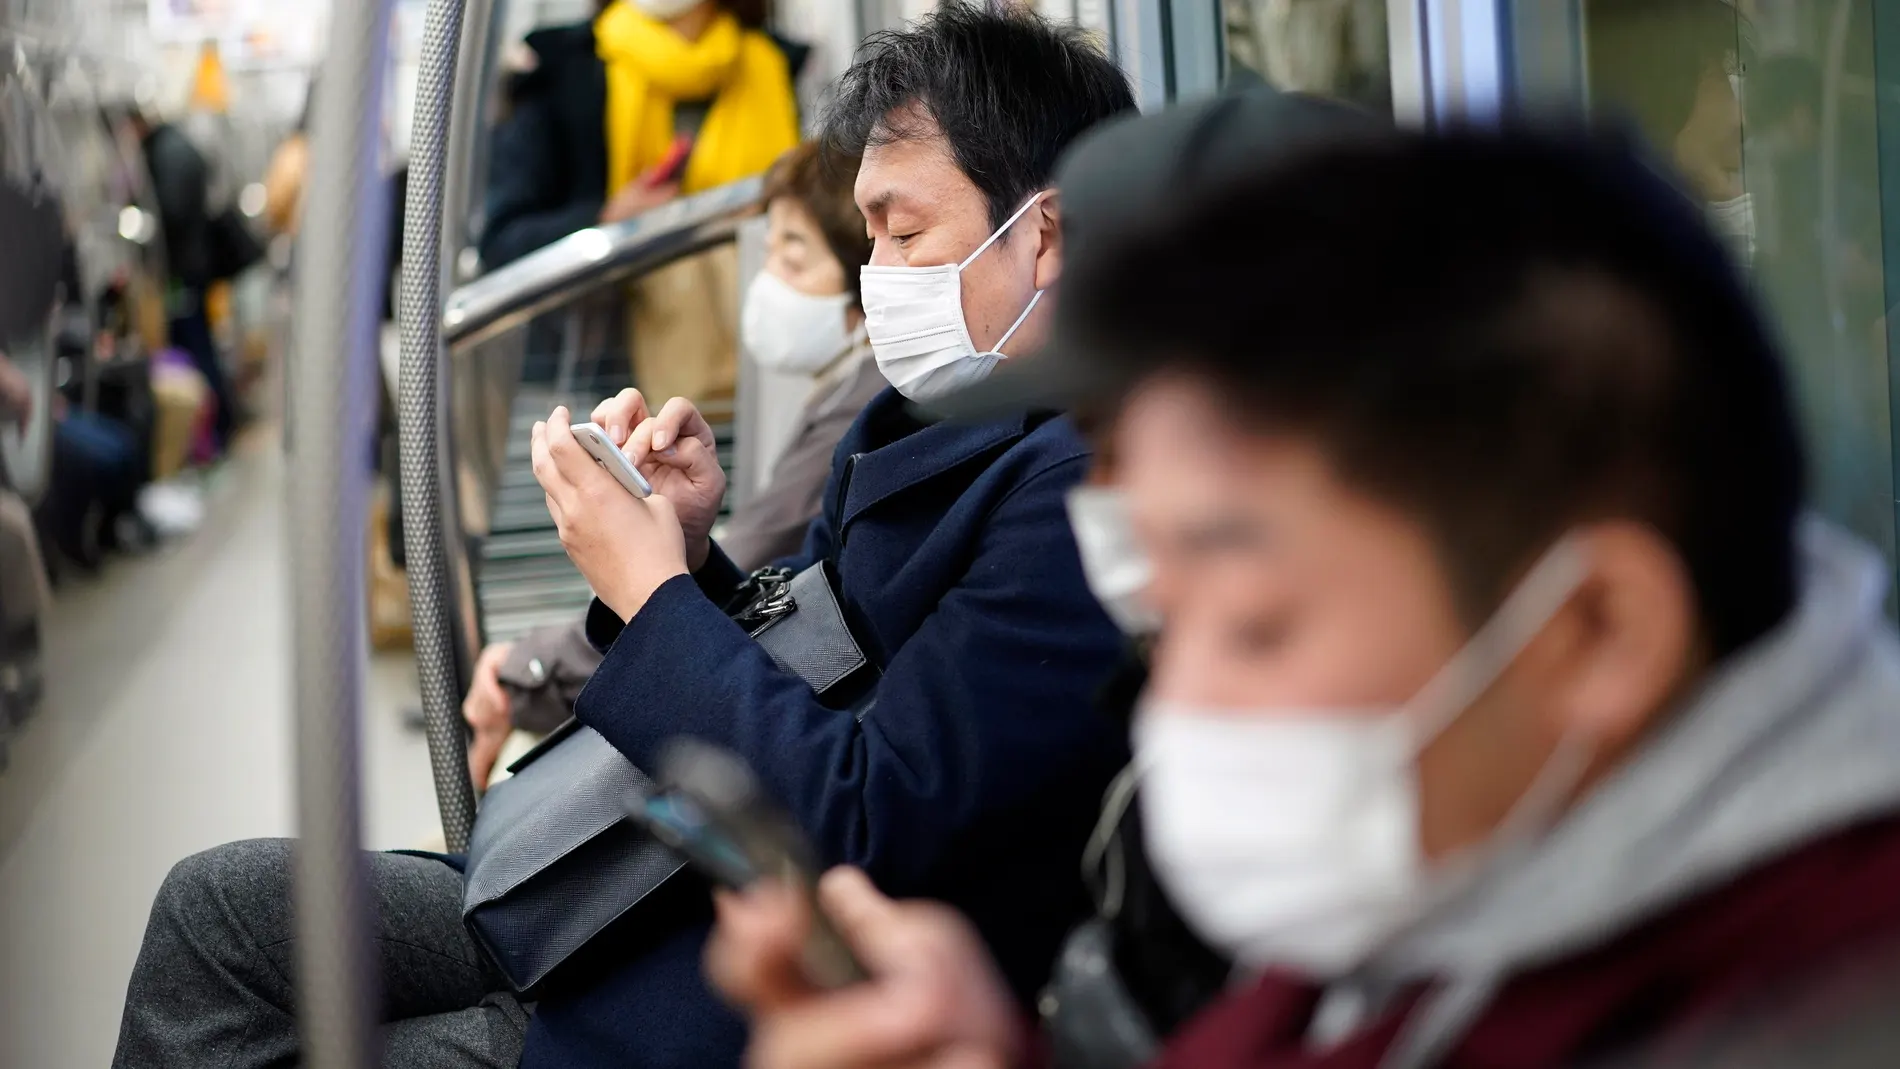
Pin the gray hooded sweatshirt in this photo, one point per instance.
(1792, 738)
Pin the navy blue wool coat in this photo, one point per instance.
(974, 778)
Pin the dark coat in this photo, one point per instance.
(973, 779)
(181, 180)
(771, 523)
(1681, 983)
(547, 168)
(547, 667)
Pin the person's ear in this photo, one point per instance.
(1637, 639)
(1047, 215)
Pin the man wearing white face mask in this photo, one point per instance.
(1506, 711)
(965, 759)
(960, 756)
(802, 316)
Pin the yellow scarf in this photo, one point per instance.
(753, 118)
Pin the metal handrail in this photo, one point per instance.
(580, 262)
(427, 472)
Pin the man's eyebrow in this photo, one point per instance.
(881, 203)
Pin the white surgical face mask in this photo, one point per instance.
(1289, 837)
(786, 330)
(914, 316)
(1117, 570)
(666, 10)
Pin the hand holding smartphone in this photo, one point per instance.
(673, 164)
(608, 455)
(712, 809)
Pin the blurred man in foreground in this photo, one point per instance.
(1506, 711)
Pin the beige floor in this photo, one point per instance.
(165, 731)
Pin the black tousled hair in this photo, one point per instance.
(1008, 89)
(1503, 335)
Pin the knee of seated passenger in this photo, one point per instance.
(213, 887)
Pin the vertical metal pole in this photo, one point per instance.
(432, 576)
(332, 387)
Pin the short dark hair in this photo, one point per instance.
(1009, 90)
(1504, 335)
(823, 188)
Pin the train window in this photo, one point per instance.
(1335, 48)
(878, 15)
(1774, 113)
(1091, 15)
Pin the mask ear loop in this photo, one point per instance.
(1520, 619)
(997, 349)
(1546, 589)
(1001, 230)
(1103, 868)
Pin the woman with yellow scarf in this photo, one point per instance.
(604, 107)
(689, 68)
(604, 102)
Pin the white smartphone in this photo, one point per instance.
(608, 455)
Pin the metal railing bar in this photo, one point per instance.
(549, 277)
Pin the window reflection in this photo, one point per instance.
(1769, 110)
(1335, 48)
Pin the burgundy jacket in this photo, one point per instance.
(1678, 982)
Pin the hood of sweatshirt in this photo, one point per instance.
(1787, 740)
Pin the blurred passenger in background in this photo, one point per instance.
(90, 506)
(974, 772)
(803, 314)
(594, 138)
(605, 102)
(201, 248)
(284, 176)
(1507, 711)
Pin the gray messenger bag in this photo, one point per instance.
(554, 858)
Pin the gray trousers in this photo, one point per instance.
(213, 983)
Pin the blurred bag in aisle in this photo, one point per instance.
(389, 627)
(181, 403)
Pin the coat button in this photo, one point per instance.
(537, 671)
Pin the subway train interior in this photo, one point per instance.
(275, 338)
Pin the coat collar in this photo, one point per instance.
(892, 450)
